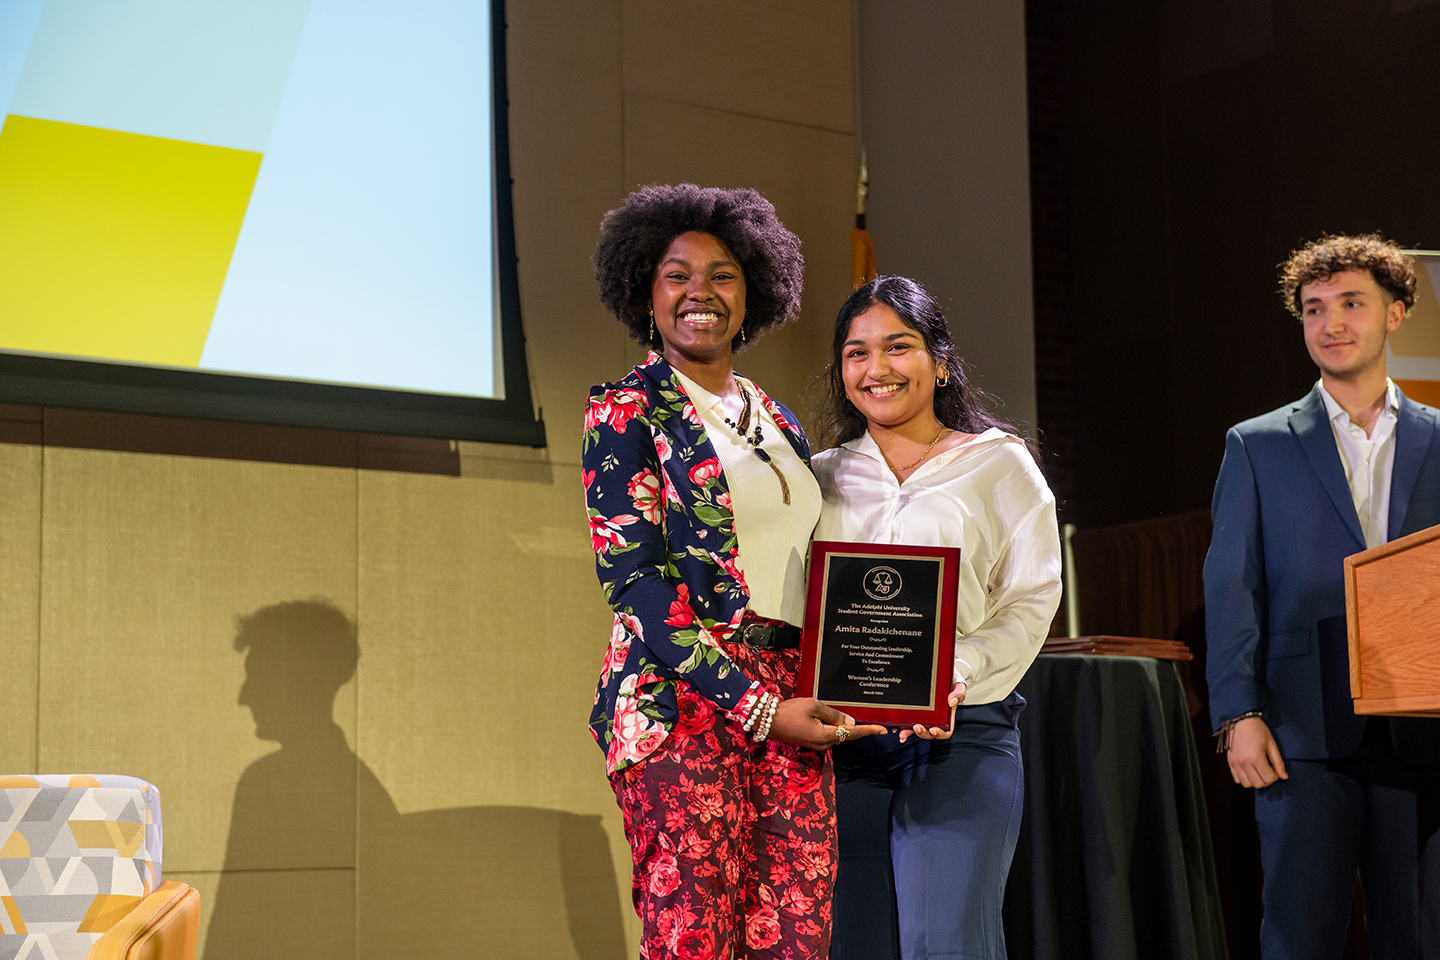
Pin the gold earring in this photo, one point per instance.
(943, 379)
(742, 332)
(651, 308)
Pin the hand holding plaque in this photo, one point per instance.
(879, 637)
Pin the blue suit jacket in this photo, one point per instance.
(1274, 575)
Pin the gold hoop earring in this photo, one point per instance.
(943, 381)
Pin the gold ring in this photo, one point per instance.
(842, 733)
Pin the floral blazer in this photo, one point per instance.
(665, 552)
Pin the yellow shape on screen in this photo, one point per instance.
(115, 245)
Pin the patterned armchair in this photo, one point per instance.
(80, 875)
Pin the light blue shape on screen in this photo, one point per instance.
(366, 256)
(206, 71)
(18, 20)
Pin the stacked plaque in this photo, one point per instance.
(879, 638)
(1108, 646)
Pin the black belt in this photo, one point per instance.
(767, 635)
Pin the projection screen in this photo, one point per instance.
(288, 211)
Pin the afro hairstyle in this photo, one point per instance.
(636, 234)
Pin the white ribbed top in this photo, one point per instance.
(773, 538)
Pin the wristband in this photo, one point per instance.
(1227, 730)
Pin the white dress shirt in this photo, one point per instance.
(773, 538)
(1368, 461)
(986, 497)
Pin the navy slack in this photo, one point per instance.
(1370, 813)
(927, 832)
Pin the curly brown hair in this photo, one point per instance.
(1392, 268)
(636, 234)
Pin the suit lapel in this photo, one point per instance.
(670, 401)
(1312, 429)
(691, 447)
(1413, 430)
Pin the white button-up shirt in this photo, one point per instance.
(986, 497)
(1368, 461)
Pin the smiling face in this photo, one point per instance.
(1347, 317)
(698, 295)
(888, 372)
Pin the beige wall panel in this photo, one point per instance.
(809, 176)
(147, 563)
(567, 162)
(482, 632)
(944, 115)
(271, 914)
(19, 604)
(524, 882)
(787, 61)
(480, 620)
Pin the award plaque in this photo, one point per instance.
(879, 637)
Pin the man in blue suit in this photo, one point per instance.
(1351, 465)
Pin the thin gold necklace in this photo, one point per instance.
(900, 470)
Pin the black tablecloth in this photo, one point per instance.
(1114, 860)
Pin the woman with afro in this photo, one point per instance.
(701, 505)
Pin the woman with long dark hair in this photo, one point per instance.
(701, 504)
(928, 819)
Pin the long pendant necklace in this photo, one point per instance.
(899, 470)
(755, 439)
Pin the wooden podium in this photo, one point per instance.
(1392, 609)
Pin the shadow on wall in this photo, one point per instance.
(320, 864)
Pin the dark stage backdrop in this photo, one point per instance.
(1179, 151)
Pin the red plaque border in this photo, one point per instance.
(937, 713)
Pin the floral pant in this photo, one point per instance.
(733, 844)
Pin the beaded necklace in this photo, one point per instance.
(755, 439)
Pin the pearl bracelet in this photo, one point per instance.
(763, 730)
(757, 707)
